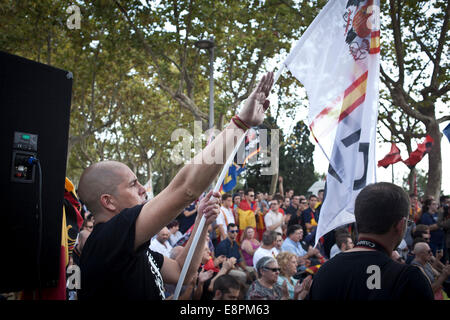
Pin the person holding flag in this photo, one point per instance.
(116, 262)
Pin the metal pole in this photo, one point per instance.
(211, 86)
(392, 167)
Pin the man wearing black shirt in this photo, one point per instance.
(366, 272)
(294, 211)
(116, 262)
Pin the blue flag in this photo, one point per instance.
(447, 132)
(231, 178)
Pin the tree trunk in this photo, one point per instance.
(412, 178)
(434, 162)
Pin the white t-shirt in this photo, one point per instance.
(261, 252)
(157, 246)
(272, 218)
(173, 239)
(334, 250)
(224, 212)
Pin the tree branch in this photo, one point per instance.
(440, 47)
(443, 119)
(395, 17)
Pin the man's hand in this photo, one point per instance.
(253, 111)
(229, 264)
(439, 254)
(209, 207)
(446, 270)
(205, 275)
(219, 260)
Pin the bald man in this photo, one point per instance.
(161, 242)
(423, 257)
(116, 262)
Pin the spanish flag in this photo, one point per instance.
(246, 215)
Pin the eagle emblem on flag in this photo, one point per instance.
(359, 36)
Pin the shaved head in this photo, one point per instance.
(100, 178)
(421, 247)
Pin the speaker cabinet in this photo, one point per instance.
(35, 114)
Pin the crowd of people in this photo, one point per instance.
(279, 260)
(253, 245)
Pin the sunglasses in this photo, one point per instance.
(233, 231)
(273, 269)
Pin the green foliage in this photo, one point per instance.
(296, 160)
(138, 75)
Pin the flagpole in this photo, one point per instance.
(188, 260)
(392, 167)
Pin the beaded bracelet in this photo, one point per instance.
(241, 124)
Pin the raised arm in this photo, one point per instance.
(196, 176)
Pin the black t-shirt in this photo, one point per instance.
(187, 222)
(352, 276)
(112, 269)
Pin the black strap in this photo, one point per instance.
(371, 244)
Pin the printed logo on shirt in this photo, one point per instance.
(156, 274)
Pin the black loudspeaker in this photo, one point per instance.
(34, 123)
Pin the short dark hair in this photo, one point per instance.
(278, 197)
(292, 228)
(225, 282)
(312, 196)
(225, 196)
(420, 230)
(341, 239)
(172, 224)
(249, 190)
(380, 206)
(269, 237)
(426, 205)
(231, 225)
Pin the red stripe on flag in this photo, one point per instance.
(350, 109)
(374, 42)
(355, 84)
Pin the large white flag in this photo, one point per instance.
(337, 61)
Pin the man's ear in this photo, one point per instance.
(400, 226)
(107, 202)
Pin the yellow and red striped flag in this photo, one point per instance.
(337, 60)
